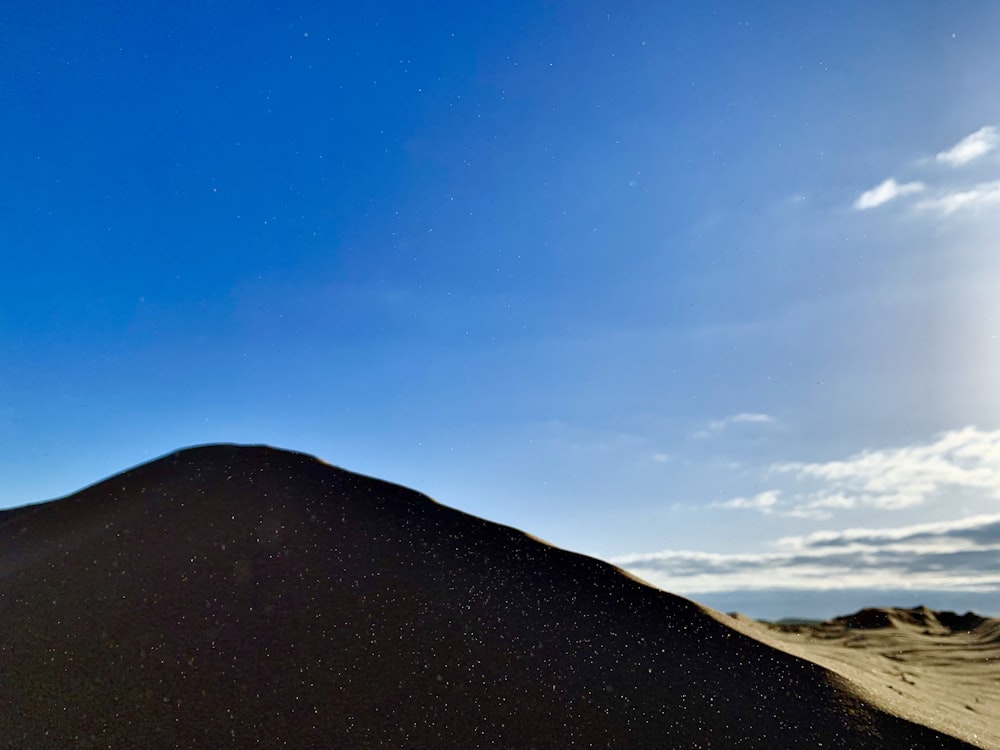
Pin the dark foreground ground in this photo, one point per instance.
(230, 596)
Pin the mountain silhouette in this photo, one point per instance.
(235, 596)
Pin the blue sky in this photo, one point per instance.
(705, 289)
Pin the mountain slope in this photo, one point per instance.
(242, 596)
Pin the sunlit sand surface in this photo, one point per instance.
(939, 668)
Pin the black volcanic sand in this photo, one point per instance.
(243, 596)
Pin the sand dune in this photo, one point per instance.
(242, 596)
(940, 668)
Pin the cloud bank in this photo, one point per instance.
(959, 555)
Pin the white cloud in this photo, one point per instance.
(718, 425)
(807, 513)
(763, 502)
(752, 418)
(984, 194)
(895, 478)
(836, 500)
(944, 201)
(890, 479)
(885, 192)
(958, 555)
(971, 147)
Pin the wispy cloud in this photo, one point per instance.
(763, 502)
(957, 555)
(885, 192)
(718, 425)
(971, 147)
(819, 506)
(751, 418)
(982, 195)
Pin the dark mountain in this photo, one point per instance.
(230, 596)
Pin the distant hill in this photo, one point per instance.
(937, 622)
(227, 596)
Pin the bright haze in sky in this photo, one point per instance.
(709, 290)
